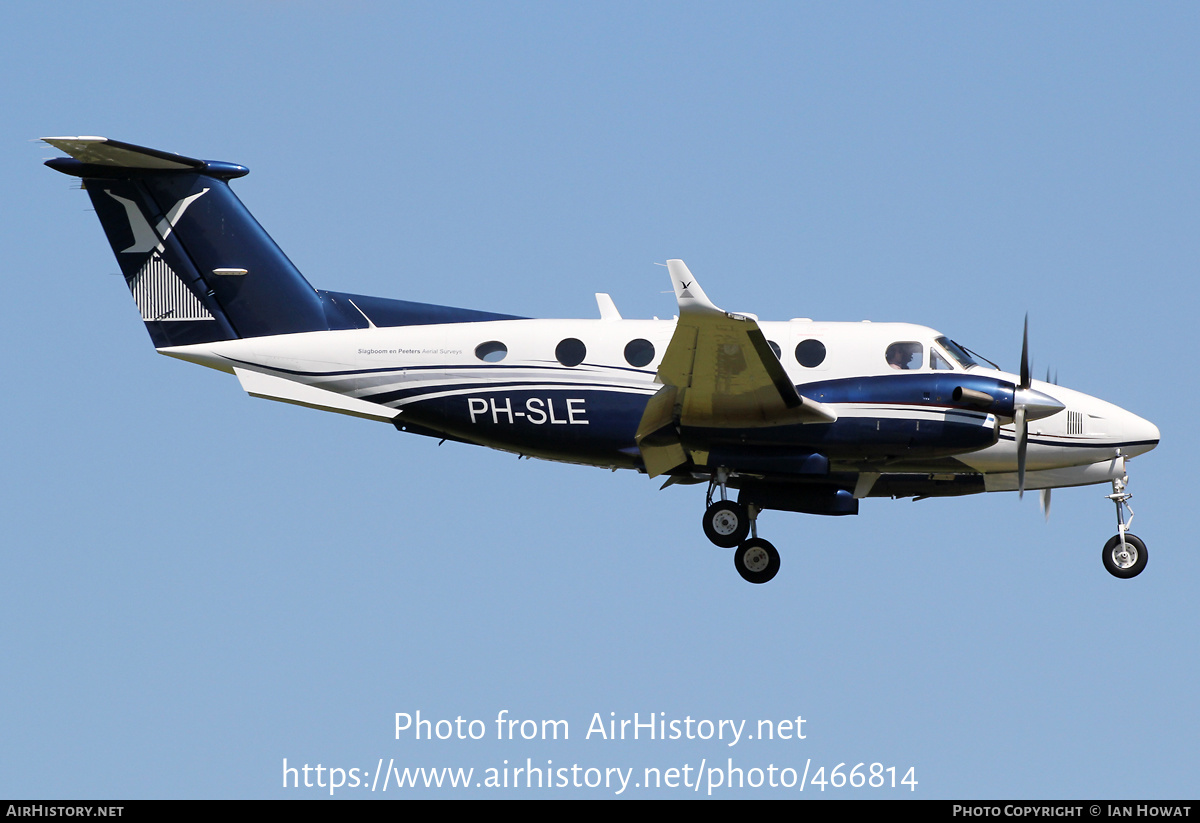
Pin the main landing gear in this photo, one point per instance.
(728, 524)
(1124, 554)
(756, 560)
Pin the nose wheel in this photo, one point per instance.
(1125, 558)
(1124, 554)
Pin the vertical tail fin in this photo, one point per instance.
(198, 264)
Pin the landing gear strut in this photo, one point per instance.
(1124, 554)
(728, 524)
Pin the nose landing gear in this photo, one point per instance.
(1124, 554)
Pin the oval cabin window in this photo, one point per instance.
(639, 352)
(810, 353)
(570, 352)
(492, 351)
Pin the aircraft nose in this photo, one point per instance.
(1141, 434)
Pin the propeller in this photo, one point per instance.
(1045, 495)
(1029, 404)
(1020, 425)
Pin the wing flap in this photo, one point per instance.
(657, 436)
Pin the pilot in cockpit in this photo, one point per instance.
(904, 356)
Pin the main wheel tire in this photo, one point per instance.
(1128, 563)
(756, 560)
(726, 523)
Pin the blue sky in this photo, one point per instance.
(200, 584)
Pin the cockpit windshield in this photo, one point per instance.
(957, 352)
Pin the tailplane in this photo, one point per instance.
(198, 264)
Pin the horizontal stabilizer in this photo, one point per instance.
(100, 151)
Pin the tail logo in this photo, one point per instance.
(146, 237)
(161, 295)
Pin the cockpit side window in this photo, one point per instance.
(904, 355)
(937, 362)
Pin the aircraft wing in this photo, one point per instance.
(717, 372)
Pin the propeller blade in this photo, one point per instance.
(1046, 503)
(1025, 381)
(1022, 434)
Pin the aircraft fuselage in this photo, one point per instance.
(530, 403)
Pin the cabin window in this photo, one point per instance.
(571, 352)
(810, 353)
(639, 352)
(904, 355)
(492, 351)
(775, 348)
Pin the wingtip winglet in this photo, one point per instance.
(688, 292)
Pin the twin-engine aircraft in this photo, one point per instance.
(796, 416)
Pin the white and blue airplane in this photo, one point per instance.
(796, 416)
